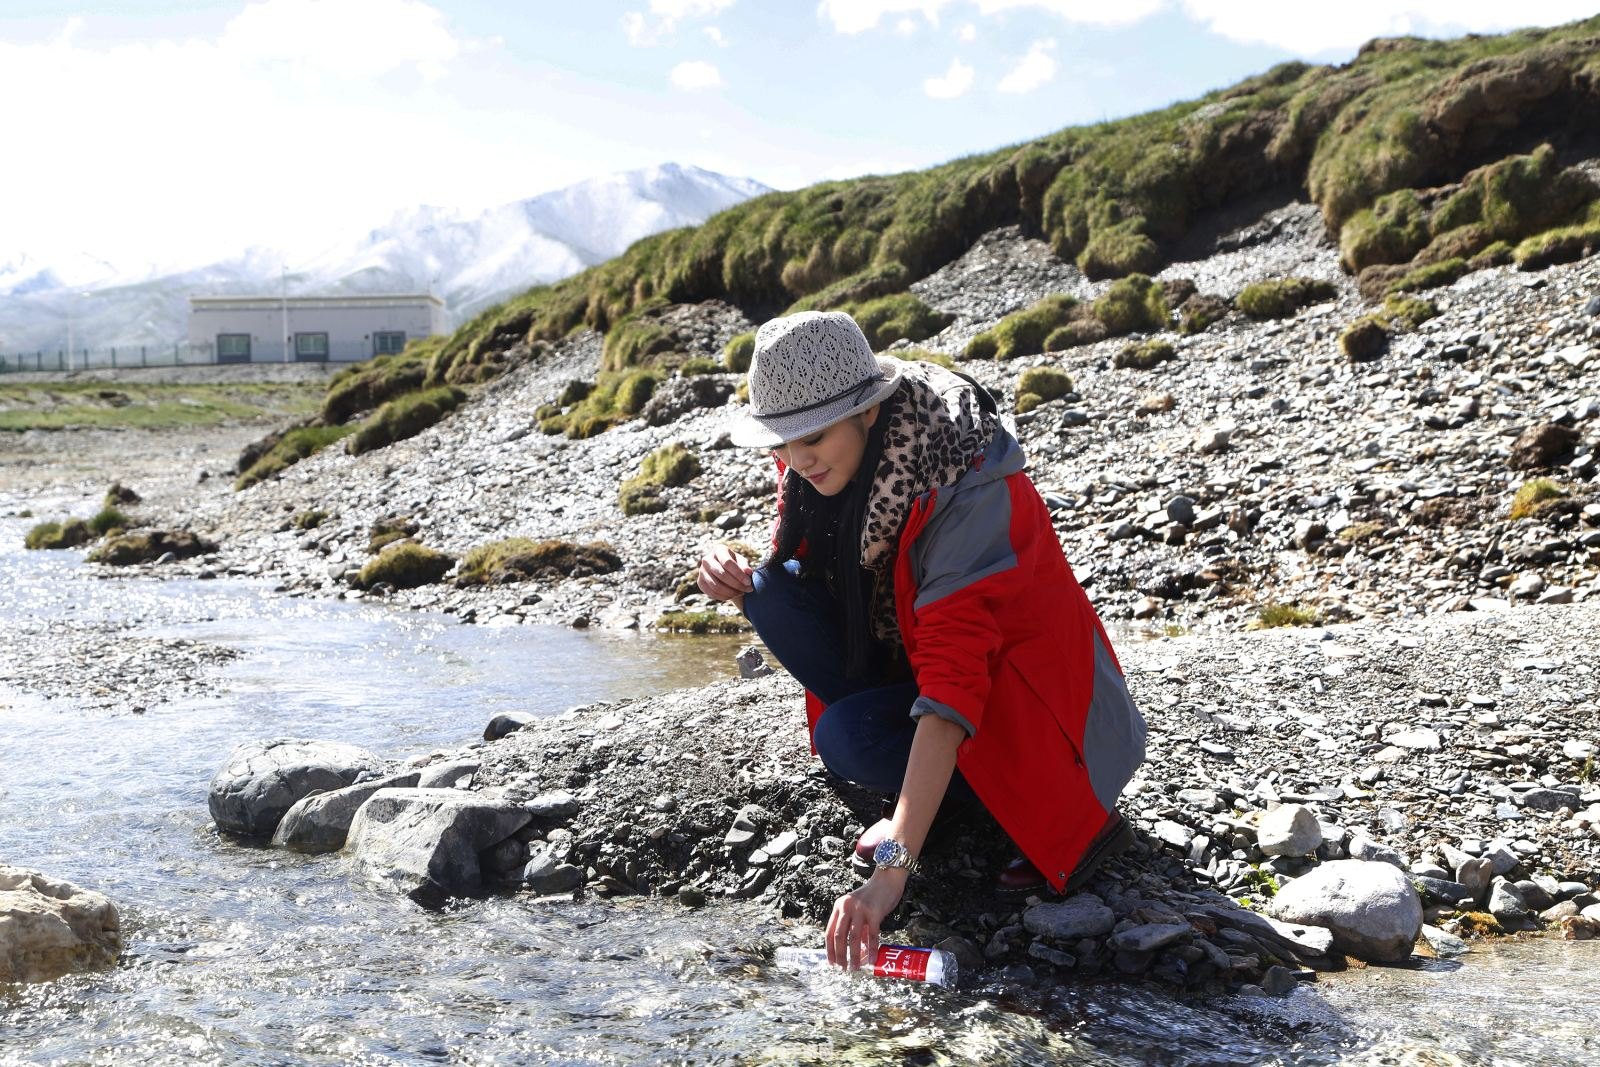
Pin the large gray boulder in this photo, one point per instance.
(262, 780)
(1289, 830)
(425, 842)
(49, 928)
(1084, 915)
(321, 821)
(1373, 909)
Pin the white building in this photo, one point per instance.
(310, 329)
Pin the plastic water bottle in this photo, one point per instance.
(932, 965)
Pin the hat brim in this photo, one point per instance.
(755, 431)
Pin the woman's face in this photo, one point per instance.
(830, 458)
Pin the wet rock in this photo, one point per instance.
(1084, 915)
(1550, 799)
(50, 928)
(505, 723)
(1506, 902)
(1372, 909)
(263, 779)
(321, 822)
(1289, 830)
(1279, 981)
(752, 664)
(546, 875)
(425, 842)
(151, 546)
(1149, 937)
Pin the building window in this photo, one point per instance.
(233, 348)
(311, 347)
(388, 343)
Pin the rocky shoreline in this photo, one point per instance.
(1455, 753)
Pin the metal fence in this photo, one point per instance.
(174, 355)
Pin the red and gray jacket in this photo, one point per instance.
(1003, 642)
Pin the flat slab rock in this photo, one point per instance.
(425, 842)
(49, 928)
(1372, 909)
(262, 780)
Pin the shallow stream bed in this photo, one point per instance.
(249, 955)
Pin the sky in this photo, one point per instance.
(183, 131)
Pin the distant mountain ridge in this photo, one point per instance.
(470, 261)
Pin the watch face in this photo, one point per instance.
(888, 851)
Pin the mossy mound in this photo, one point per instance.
(1134, 303)
(664, 468)
(699, 365)
(405, 566)
(120, 495)
(309, 520)
(288, 449)
(1038, 385)
(108, 519)
(1282, 297)
(148, 546)
(1274, 614)
(367, 385)
(1022, 333)
(405, 416)
(901, 317)
(857, 288)
(1532, 495)
(1080, 331)
(702, 622)
(1364, 339)
(1146, 355)
(68, 533)
(1368, 337)
(1562, 244)
(1201, 311)
(922, 355)
(737, 352)
(518, 559)
(615, 398)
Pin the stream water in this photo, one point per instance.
(249, 955)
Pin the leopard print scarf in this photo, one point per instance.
(938, 429)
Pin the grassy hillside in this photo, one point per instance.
(1427, 159)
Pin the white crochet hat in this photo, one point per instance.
(809, 371)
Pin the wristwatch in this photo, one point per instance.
(891, 853)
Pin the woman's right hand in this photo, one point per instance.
(724, 575)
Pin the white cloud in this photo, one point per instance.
(905, 27)
(1309, 29)
(1036, 68)
(696, 76)
(353, 38)
(952, 83)
(716, 36)
(1093, 12)
(857, 16)
(305, 89)
(968, 33)
(644, 30)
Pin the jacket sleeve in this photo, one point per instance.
(965, 569)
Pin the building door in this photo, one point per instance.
(233, 348)
(311, 348)
(388, 342)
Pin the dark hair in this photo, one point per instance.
(829, 528)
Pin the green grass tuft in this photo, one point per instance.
(1531, 494)
(405, 566)
(901, 316)
(517, 559)
(1431, 276)
(1022, 333)
(1043, 383)
(290, 449)
(367, 385)
(615, 398)
(68, 533)
(405, 416)
(664, 468)
(108, 519)
(1146, 355)
(1274, 614)
(1132, 304)
(736, 355)
(1282, 297)
(1201, 311)
(310, 520)
(702, 622)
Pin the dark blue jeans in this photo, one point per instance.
(865, 734)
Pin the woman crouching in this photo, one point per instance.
(917, 590)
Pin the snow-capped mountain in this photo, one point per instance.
(470, 261)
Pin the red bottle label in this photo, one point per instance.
(897, 961)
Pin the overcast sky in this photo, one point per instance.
(183, 130)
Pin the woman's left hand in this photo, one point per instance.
(857, 916)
